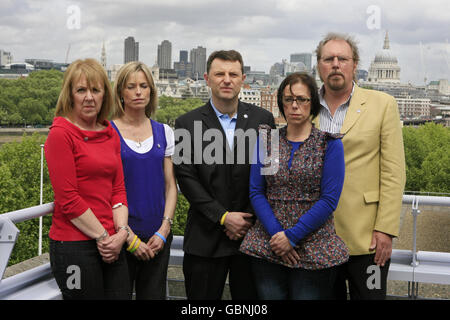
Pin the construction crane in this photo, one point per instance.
(446, 55)
(422, 61)
(67, 53)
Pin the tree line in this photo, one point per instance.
(427, 157)
(32, 101)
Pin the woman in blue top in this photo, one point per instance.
(146, 150)
(293, 242)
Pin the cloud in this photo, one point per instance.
(265, 31)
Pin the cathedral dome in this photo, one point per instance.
(385, 56)
(384, 68)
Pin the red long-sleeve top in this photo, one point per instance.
(85, 170)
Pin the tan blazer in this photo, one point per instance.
(375, 176)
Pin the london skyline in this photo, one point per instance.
(265, 32)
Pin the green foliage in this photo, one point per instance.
(23, 159)
(31, 100)
(171, 108)
(180, 216)
(427, 155)
(20, 188)
(11, 196)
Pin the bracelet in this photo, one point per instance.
(132, 243)
(168, 219)
(103, 236)
(137, 246)
(222, 221)
(124, 228)
(161, 236)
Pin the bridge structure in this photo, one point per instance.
(411, 266)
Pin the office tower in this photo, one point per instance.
(164, 58)
(183, 68)
(305, 58)
(198, 60)
(131, 51)
(184, 56)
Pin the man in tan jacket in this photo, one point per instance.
(368, 214)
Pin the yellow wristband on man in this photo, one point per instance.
(222, 221)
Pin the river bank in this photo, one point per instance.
(16, 134)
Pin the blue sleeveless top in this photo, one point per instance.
(144, 183)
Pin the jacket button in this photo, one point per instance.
(86, 138)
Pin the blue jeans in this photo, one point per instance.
(277, 282)
(81, 274)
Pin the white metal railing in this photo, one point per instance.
(405, 261)
(420, 266)
(414, 200)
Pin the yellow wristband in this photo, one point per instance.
(132, 243)
(137, 246)
(222, 221)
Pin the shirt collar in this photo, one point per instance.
(219, 114)
(324, 103)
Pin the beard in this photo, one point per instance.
(336, 81)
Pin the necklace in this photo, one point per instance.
(134, 132)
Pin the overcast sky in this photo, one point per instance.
(264, 31)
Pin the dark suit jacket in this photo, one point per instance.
(212, 189)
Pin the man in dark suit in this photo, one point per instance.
(213, 174)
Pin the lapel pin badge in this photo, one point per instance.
(358, 110)
(245, 116)
(159, 146)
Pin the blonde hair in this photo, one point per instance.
(95, 74)
(121, 81)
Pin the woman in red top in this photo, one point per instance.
(90, 220)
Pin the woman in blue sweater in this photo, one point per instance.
(293, 242)
(146, 150)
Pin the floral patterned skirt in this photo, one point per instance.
(322, 248)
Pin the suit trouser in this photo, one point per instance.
(366, 281)
(205, 277)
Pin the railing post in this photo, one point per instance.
(40, 199)
(8, 237)
(415, 213)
